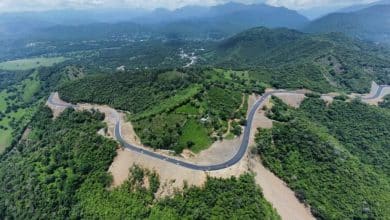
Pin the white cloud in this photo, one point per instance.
(39, 5)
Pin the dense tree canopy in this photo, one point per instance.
(334, 157)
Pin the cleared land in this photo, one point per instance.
(30, 63)
(274, 189)
(195, 136)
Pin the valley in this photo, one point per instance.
(225, 110)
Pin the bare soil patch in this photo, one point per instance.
(173, 177)
(291, 99)
(279, 194)
(57, 110)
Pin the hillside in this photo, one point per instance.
(335, 157)
(60, 170)
(232, 11)
(372, 23)
(331, 59)
(191, 22)
(224, 20)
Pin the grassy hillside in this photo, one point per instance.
(318, 62)
(17, 105)
(31, 63)
(334, 157)
(60, 171)
(371, 23)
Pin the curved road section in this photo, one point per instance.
(236, 158)
(378, 92)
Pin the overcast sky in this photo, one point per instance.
(40, 5)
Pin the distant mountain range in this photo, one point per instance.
(187, 22)
(359, 7)
(372, 23)
(368, 22)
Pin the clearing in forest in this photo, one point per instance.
(30, 63)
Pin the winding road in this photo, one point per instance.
(235, 159)
(378, 92)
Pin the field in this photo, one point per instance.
(13, 115)
(195, 135)
(30, 63)
(187, 109)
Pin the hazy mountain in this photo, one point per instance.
(191, 22)
(317, 12)
(222, 20)
(371, 23)
(94, 31)
(359, 7)
(23, 23)
(248, 15)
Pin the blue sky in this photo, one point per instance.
(40, 5)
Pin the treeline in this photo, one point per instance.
(153, 97)
(362, 129)
(334, 157)
(40, 176)
(60, 171)
(296, 59)
(132, 91)
(386, 102)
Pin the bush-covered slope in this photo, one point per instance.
(132, 92)
(170, 109)
(335, 158)
(372, 23)
(60, 171)
(333, 58)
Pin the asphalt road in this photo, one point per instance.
(236, 158)
(378, 92)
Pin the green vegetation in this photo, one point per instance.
(170, 103)
(290, 59)
(334, 157)
(162, 131)
(234, 198)
(134, 92)
(171, 110)
(187, 109)
(362, 129)
(386, 102)
(60, 156)
(16, 109)
(366, 24)
(223, 102)
(60, 171)
(31, 63)
(194, 136)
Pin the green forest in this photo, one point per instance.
(60, 171)
(172, 109)
(334, 157)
